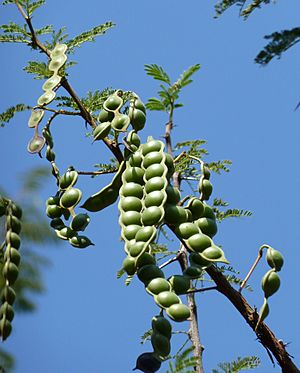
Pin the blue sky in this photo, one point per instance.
(88, 321)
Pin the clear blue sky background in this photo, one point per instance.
(88, 321)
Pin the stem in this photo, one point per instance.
(94, 173)
(193, 333)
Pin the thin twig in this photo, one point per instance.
(94, 173)
(201, 290)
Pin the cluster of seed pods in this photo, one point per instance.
(11, 263)
(63, 205)
(111, 116)
(142, 199)
(57, 60)
(270, 282)
(161, 336)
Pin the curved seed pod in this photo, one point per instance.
(270, 283)
(57, 224)
(35, 117)
(68, 179)
(205, 186)
(137, 114)
(129, 265)
(274, 259)
(51, 83)
(8, 295)
(105, 116)
(263, 313)
(65, 233)
(80, 242)
(158, 285)
(178, 312)
(197, 259)
(175, 214)
(207, 226)
(10, 272)
(147, 363)
(108, 195)
(101, 131)
(14, 223)
(70, 198)
(166, 299)
(120, 122)
(57, 61)
(54, 211)
(13, 239)
(193, 272)
(80, 222)
(161, 344)
(5, 328)
(114, 102)
(196, 206)
(133, 142)
(6, 311)
(162, 326)
(180, 284)
(12, 255)
(149, 272)
(46, 98)
(36, 144)
(58, 50)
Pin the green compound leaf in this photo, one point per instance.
(223, 5)
(32, 6)
(39, 69)
(248, 362)
(158, 73)
(184, 78)
(89, 35)
(280, 42)
(183, 362)
(7, 115)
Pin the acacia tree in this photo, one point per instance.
(147, 180)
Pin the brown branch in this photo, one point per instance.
(201, 290)
(263, 333)
(95, 173)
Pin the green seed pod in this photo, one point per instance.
(14, 223)
(80, 242)
(152, 146)
(199, 242)
(80, 222)
(152, 215)
(207, 226)
(180, 284)
(134, 175)
(129, 265)
(35, 117)
(70, 198)
(16, 210)
(274, 259)
(208, 212)
(196, 207)
(137, 119)
(105, 116)
(65, 233)
(131, 217)
(2, 206)
(5, 328)
(178, 312)
(152, 158)
(173, 195)
(145, 234)
(56, 63)
(8, 295)
(263, 313)
(54, 211)
(50, 155)
(166, 298)
(186, 230)
(270, 283)
(13, 239)
(12, 255)
(154, 170)
(131, 204)
(193, 272)
(53, 200)
(138, 104)
(6, 311)
(148, 273)
(135, 159)
(156, 183)
(57, 224)
(145, 259)
(175, 214)
(58, 50)
(130, 231)
(10, 272)
(68, 179)
(120, 122)
(205, 189)
(136, 248)
(198, 260)
(148, 362)
(162, 326)
(51, 83)
(101, 131)
(133, 139)
(46, 98)
(154, 198)
(113, 102)
(132, 189)
(161, 344)
(158, 285)
(170, 165)
(212, 253)
(36, 144)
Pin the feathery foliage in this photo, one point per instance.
(88, 35)
(39, 69)
(249, 362)
(168, 95)
(280, 42)
(7, 115)
(232, 277)
(229, 213)
(146, 336)
(29, 5)
(245, 10)
(183, 362)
